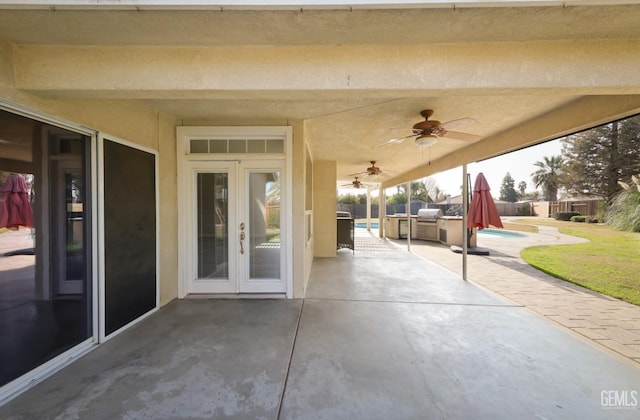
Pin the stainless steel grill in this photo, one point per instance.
(426, 224)
(429, 215)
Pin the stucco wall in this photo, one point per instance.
(299, 251)
(324, 210)
(168, 181)
(131, 121)
(308, 215)
(540, 208)
(6, 66)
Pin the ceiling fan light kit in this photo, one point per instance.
(426, 140)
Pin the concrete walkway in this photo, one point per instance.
(381, 334)
(605, 322)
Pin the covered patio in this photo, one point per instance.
(370, 340)
(155, 131)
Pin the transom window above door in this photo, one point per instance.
(235, 146)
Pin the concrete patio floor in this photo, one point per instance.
(381, 334)
(610, 324)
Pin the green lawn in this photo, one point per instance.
(609, 263)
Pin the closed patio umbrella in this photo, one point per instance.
(482, 214)
(15, 207)
(483, 211)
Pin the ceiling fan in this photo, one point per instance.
(428, 132)
(372, 170)
(356, 183)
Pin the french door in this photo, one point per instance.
(236, 239)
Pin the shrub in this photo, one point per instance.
(524, 210)
(581, 219)
(624, 212)
(566, 215)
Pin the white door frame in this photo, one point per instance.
(102, 137)
(37, 375)
(186, 160)
(221, 285)
(245, 282)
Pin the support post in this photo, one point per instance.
(408, 216)
(465, 206)
(382, 212)
(368, 210)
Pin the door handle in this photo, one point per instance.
(242, 238)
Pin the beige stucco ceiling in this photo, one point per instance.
(354, 77)
(317, 27)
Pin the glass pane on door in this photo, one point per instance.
(45, 242)
(74, 224)
(264, 225)
(213, 227)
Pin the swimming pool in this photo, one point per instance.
(374, 225)
(499, 233)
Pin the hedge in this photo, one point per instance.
(566, 215)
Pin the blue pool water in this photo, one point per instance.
(496, 233)
(374, 225)
(501, 233)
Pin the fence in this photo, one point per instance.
(514, 209)
(359, 211)
(592, 207)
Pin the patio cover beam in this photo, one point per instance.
(296, 72)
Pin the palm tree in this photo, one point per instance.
(548, 176)
(522, 187)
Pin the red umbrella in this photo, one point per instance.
(483, 211)
(15, 208)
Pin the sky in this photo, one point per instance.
(519, 164)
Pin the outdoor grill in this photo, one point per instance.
(426, 224)
(429, 215)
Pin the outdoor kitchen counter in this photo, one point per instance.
(396, 226)
(450, 230)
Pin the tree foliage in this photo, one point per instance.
(522, 188)
(419, 192)
(425, 190)
(624, 212)
(508, 190)
(397, 198)
(348, 199)
(548, 177)
(596, 159)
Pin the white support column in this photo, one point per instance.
(382, 210)
(368, 210)
(409, 216)
(465, 206)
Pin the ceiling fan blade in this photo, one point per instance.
(379, 176)
(359, 173)
(458, 123)
(399, 139)
(456, 135)
(373, 177)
